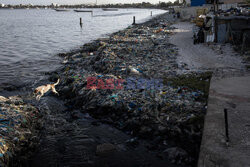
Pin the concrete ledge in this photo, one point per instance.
(233, 94)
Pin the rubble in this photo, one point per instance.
(105, 148)
(176, 155)
(18, 129)
(162, 109)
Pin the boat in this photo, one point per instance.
(61, 10)
(109, 9)
(83, 10)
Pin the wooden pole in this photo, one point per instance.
(80, 21)
(151, 13)
(134, 20)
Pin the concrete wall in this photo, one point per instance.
(227, 6)
(214, 151)
(231, 1)
(188, 2)
(189, 12)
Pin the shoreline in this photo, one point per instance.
(172, 113)
(25, 64)
(112, 106)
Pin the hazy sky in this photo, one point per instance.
(76, 1)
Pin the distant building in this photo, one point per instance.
(54, 5)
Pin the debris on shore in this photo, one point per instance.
(19, 123)
(168, 112)
(137, 89)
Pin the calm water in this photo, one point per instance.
(30, 39)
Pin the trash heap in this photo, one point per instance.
(18, 124)
(148, 103)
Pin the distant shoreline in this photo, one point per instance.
(143, 5)
(81, 8)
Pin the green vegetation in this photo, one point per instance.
(195, 82)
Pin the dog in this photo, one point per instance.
(45, 88)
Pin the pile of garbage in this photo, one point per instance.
(18, 129)
(126, 80)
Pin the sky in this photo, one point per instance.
(47, 2)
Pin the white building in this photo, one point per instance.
(2, 5)
(54, 5)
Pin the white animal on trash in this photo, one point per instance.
(45, 88)
(134, 70)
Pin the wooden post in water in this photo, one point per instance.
(80, 21)
(133, 20)
(151, 13)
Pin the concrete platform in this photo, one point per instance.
(234, 94)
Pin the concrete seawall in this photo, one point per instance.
(233, 94)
